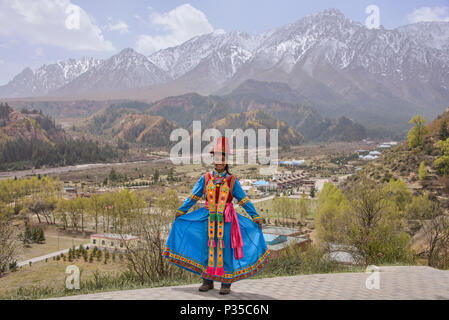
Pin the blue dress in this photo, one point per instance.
(187, 244)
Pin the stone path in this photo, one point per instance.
(398, 282)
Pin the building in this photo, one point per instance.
(289, 180)
(265, 185)
(292, 163)
(113, 241)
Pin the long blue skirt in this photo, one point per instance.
(187, 247)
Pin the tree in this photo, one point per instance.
(422, 171)
(9, 243)
(170, 175)
(312, 192)
(435, 226)
(94, 208)
(156, 176)
(442, 163)
(397, 193)
(38, 235)
(290, 208)
(145, 260)
(168, 201)
(331, 220)
(444, 132)
(417, 132)
(365, 221)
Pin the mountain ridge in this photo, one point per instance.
(334, 64)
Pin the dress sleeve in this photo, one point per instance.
(193, 197)
(244, 201)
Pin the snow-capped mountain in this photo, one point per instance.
(339, 66)
(47, 78)
(432, 34)
(126, 70)
(343, 67)
(208, 60)
(331, 38)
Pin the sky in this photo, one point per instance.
(37, 32)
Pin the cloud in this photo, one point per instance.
(51, 22)
(429, 14)
(2, 62)
(120, 26)
(178, 25)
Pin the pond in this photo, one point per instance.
(272, 239)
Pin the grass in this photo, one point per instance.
(309, 260)
(51, 275)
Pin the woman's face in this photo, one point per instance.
(219, 161)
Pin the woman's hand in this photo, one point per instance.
(259, 223)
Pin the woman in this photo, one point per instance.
(214, 241)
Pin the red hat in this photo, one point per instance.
(222, 146)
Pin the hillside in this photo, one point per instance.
(30, 139)
(132, 126)
(27, 126)
(259, 120)
(62, 109)
(300, 123)
(280, 101)
(404, 162)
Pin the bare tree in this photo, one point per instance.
(145, 260)
(368, 205)
(435, 227)
(9, 244)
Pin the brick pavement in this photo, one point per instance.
(395, 282)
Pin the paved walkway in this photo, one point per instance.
(417, 282)
(48, 256)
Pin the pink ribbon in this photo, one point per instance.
(236, 235)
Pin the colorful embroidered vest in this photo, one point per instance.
(230, 179)
(218, 192)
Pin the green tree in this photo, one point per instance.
(417, 132)
(442, 163)
(312, 192)
(444, 132)
(423, 174)
(156, 176)
(365, 221)
(169, 201)
(331, 220)
(170, 175)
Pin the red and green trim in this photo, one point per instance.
(244, 201)
(193, 197)
(180, 212)
(228, 277)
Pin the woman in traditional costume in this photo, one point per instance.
(214, 241)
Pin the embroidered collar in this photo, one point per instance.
(218, 174)
(218, 178)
